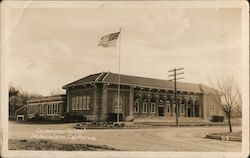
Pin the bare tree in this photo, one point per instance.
(226, 96)
(238, 105)
(56, 91)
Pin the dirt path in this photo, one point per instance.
(157, 139)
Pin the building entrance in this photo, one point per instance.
(160, 111)
(189, 112)
(196, 111)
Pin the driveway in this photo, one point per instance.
(153, 139)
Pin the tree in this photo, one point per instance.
(13, 91)
(238, 105)
(18, 98)
(56, 91)
(226, 95)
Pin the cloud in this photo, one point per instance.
(52, 47)
(57, 48)
(158, 29)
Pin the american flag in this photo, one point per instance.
(109, 40)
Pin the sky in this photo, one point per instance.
(51, 47)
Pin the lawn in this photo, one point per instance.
(25, 144)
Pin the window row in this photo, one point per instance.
(153, 107)
(182, 108)
(81, 103)
(44, 109)
(145, 107)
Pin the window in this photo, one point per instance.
(182, 109)
(81, 103)
(48, 109)
(44, 109)
(136, 106)
(87, 102)
(152, 107)
(73, 103)
(168, 107)
(77, 103)
(145, 107)
(118, 104)
(84, 103)
(57, 109)
(40, 109)
(53, 108)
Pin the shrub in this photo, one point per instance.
(74, 117)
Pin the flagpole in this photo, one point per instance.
(119, 76)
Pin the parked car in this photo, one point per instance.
(217, 118)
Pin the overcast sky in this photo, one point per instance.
(53, 47)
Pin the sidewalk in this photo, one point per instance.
(163, 121)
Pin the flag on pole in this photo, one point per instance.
(109, 40)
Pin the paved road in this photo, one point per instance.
(155, 139)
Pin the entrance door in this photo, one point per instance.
(189, 112)
(160, 111)
(196, 110)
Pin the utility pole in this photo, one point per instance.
(175, 89)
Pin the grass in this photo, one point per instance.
(52, 145)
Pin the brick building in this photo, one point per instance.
(50, 107)
(95, 97)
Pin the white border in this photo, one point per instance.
(6, 5)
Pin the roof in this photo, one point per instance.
(47, 98)
(108, 77)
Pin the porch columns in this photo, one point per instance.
(157, 106)
(186, 108)
(68, 102)
(104, 102)
(148, 105)
(95, 115)
(193, 109)
(200, 103)
(131, 101)
(204, 114)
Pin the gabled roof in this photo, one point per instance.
(108, 77)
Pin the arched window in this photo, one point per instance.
(152, 105)
(173, 108)
(136, 106)
(145, 105)
(168, 107)
(118, 107)
(182, 108)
